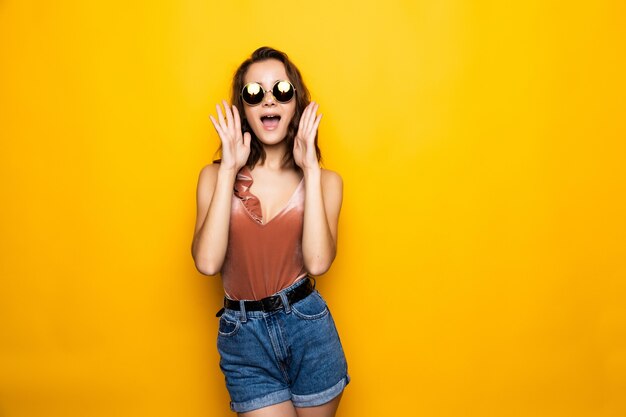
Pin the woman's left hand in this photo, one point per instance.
(304, 143)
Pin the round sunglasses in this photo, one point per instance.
(253, 93)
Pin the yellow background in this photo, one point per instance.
(482, 255)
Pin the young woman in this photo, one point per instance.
(267, 220)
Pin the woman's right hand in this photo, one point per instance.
(235, 146)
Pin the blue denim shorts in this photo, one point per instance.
(289, 354)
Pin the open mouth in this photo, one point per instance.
(270, 122)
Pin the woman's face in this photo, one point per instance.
(270, 131)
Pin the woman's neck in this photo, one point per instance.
(274, 156)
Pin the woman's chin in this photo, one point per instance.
(269, 138)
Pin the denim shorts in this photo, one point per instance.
(289, 354)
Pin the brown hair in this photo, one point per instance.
(302, 98)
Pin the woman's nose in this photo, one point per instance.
(268, 98)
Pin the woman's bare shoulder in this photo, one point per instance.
(207, 180)
(331, 179)
(209, 171)
(330, 175)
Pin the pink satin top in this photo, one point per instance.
(262, 258)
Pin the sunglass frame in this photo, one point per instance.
(266, 91)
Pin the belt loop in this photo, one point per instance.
(283, 297)
(242, 309)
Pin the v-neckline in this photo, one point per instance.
(248, 173)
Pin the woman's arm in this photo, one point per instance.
(210, 240)
(214, 193)
(323, 197)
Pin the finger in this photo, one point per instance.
(218, 129)
(229, 115)
(237, 121)
(246, 139)
(312, 115)
(301, 122)
(316, 124)
(220, 117)
(215, 124)
(307, 119)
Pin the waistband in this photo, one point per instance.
(282, 299)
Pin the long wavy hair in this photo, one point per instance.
(303, 98)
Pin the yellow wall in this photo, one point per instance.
(482, 250)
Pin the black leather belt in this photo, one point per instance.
(273, 302)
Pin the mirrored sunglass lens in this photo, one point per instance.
(283, 91)
(252, 93)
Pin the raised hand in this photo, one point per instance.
(304, 144)
(235, 146)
